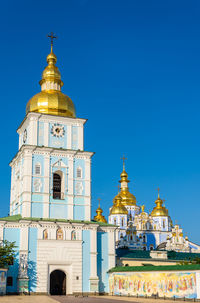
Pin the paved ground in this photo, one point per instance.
(71, 299)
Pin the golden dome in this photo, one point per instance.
(99, 217)
(51, 100)
(118, 208)
(159, 210)
(126, 196)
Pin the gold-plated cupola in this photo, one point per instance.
(99, 217)
(126, 196)
(51, 100)
(159, 210)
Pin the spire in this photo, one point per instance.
(124, 159)
(51, 100)
(127, 197)
(51, 77)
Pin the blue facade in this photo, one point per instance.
(102, 261)
(32, 259)
(151, 240)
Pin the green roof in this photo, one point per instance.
(173, 255)
(17, 218)
(133, 254)
(142, 254)
(155, 268)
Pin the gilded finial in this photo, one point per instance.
(124, 159)
(99, 202)
(158, 192)
(52, 36)
(142, 208)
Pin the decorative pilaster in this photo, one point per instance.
(23, 280)
(46, 186)
(94, 280)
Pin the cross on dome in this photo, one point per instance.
(124, 159)
(52, 36)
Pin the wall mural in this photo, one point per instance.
(158, 283)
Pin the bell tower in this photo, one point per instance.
(51, 172)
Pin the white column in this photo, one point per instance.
(80, 137)
(93, 253)
(27, 184)
(46, 186)
(88, 189)
(1, 231)
(111, 249)
(70, 189)
(69, 137)
(46, 134)
(33, 133)
(24, 237)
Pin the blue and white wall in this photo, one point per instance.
(43, 153)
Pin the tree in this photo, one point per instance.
(7, 253)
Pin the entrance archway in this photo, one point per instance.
(58, 282)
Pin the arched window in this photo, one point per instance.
(163, 223)
(37, 169)
(144, 238)
(121, 236)
(144, 248)
(151, 247)
(79, 172)
(122, 222)
(59, 234)
(45, 234)
(115, 221)
(154, 227)
(73, 235)
(56, 186)
(131, 237)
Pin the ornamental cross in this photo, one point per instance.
(99, 201)
(52, 36)
(118, 186)
(124, 159)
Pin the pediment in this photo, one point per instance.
(59, 163)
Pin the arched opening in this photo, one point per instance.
(56, 186)
(58, 283)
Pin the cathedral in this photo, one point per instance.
(139, 230)
(59, 249)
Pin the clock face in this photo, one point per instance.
(57, 130)
(25, 136)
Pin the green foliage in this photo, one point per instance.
(196, 260)
(7, 253)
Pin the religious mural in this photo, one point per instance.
(162, 284)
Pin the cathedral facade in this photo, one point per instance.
(59, 249)
(139, 230)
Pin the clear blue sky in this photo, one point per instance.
(132, 69)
